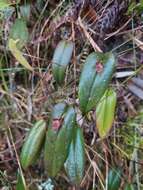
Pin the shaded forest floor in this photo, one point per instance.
(27, 96)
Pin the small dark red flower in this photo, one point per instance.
(56, 124)
(99, 67)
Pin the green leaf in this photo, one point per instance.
(129, 187)
(19, 32)
(17, 39)
(59, 110)
(6, 13)
(4, 4)
(105, 112)
(58, 140)
(18, 54)
(33, 144)
(61, 59)
(135, 7)
(75, 162)
(131, 7)
(25, 11)
(93, 83)
(114, 179)
(21, 184)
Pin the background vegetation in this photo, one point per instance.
(29, 34)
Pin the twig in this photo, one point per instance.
(90, 39)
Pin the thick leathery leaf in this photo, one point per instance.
(105, 112)
(49, 152)
(129, 187)
(75, 162)
(33, 144)
(21, 184)
(19, 32)
(58, 140)
(59, 110)
(86, 81)
(61, 59)
(114, 179)
(18, 54)
(95, 78)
